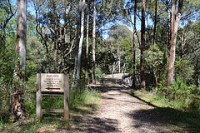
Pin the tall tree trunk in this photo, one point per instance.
(87, 48)
(94, 43)
(142, 72)
(175, 18)
(21, 36)
(155, 21)
(78, 74)
(17, 105)
(134, 48)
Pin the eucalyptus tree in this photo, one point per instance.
(176, 11)
(17, 104)
(188, 52)
(56, 25)
(119, 40)
(82, 6)
(142, 46)
(130, 14)
(21, 37)
(94, 43)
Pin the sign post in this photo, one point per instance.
(52, 84)
(39, 98)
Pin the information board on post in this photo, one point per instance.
(52, 82)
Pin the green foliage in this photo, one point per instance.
(104, 59)
(7, 65)
(99, 73)
(184, 69)
(79, 98)
(7, 61)
(179, 89)
(119, 47)
(189, 50)
(181, 95)
(52, 102)
(154, 57)
(126, 46)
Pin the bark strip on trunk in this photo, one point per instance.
(142, 72)
(94, 43)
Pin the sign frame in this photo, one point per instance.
(41, 90)
(52, 82)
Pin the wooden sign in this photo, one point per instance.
(53, 82)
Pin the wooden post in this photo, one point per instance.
(66, 97)
(38, 98)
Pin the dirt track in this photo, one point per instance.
(120, 112)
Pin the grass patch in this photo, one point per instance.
(84, 101)
(150, 97)
(162, 101)
(83, 97)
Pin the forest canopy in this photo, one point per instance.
(157, 42)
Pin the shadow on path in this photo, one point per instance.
(176, 120)
(96, 125)
(152, 118)
(166, 117)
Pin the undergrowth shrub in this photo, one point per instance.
(8, 60)
(99, 73)
(79, 98)
(192, 103)
(183, 95)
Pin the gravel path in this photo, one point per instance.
(120, 113)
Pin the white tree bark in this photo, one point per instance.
(175, 18)
(87, 49)
(17, 105)
(80, 41)
(21, 35)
